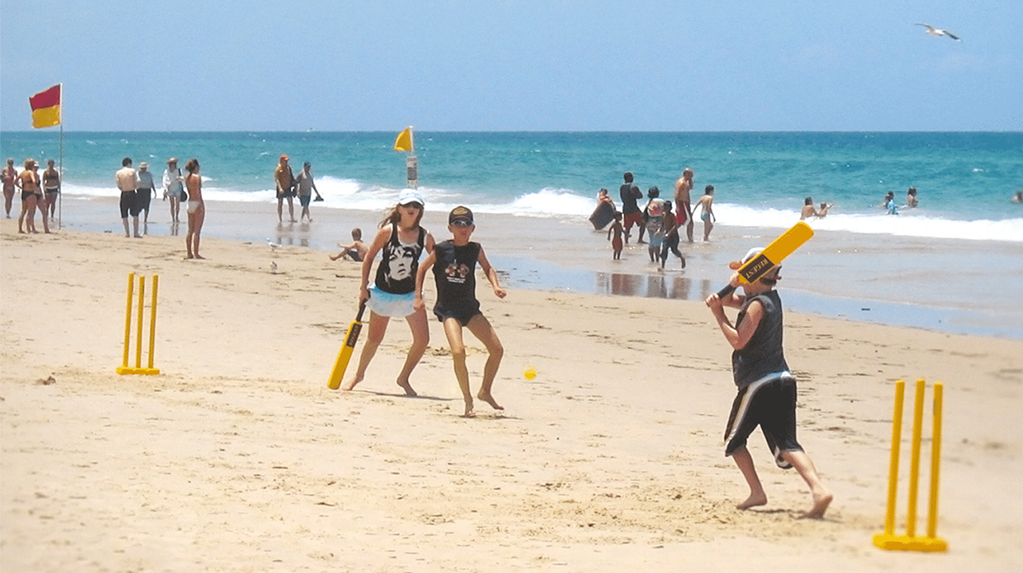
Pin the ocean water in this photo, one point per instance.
(964, 180)
(941, 266)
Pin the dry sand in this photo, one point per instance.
(237, 457)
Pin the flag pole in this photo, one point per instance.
(60, 196)
(412, 162)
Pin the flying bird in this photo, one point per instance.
(939, 32)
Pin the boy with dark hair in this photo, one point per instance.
(454, 270)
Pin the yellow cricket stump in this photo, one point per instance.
(138, 369)
(910, 541)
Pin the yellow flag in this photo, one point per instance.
(404, 141)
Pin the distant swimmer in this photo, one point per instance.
(1018, 197)
(808, 209)
(889, 203)
(911, 200)
(823, 211)
(939, 32)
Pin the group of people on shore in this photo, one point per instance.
(138, 189)
(290, 186)
(662, 226)
(37, 193)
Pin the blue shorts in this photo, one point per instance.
(389, 304)
(304, 200)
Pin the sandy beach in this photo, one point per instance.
(237, 457)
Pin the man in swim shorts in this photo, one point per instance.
(284, 179)
(127, 181)
(631, 214)
(683, 208)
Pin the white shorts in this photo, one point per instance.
(392, 305)
(193, 206)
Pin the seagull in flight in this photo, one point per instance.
(939, 32)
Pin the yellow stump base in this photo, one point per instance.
(907, 543)
(145, 371)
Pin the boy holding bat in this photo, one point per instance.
(767, 390)
(454, 270)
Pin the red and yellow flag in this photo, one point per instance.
(46, 107)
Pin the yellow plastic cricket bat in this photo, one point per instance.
(773, 254)
(345, 354)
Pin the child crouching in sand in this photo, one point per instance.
(454, 270)
(767, 390)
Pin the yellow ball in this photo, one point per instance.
(529, 373)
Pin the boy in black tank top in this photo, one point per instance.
(454, 270)
(767, 390)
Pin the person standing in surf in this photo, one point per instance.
(631, 214)
(683, 208)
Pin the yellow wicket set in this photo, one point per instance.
(138, 369)
(910, 541)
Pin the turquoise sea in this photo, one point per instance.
(952, 252)
(964, 180)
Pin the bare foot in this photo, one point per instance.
(469, 412)
(820, 505)
(753, 501)
(407, 388)
(199, 256)
(489, 400)
(351, 383)
(190, 256)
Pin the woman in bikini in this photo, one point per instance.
(31, 197)
(51, 184)
(196, 208)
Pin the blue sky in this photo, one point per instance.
(497, 65)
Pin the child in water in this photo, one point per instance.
(616, 242)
